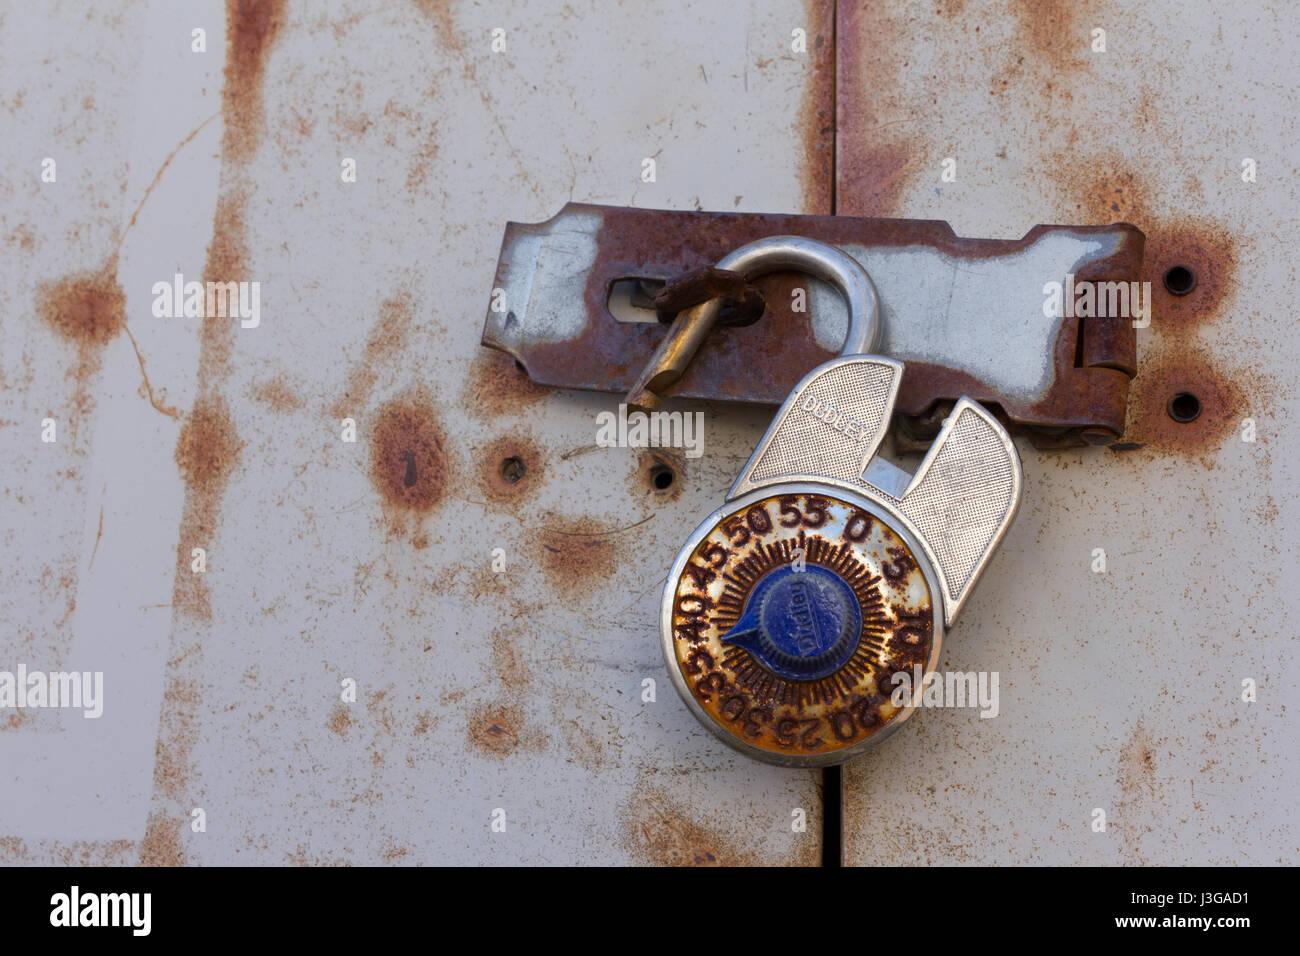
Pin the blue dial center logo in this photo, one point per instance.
(800, 624)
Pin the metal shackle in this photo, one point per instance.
(772, 254)
(823, 261)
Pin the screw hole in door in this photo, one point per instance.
(1184, 407)
(512, 469)
(1180, 280)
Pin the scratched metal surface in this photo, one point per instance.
(326, 560)
(1121, 690)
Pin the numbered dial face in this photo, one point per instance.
(790, 618)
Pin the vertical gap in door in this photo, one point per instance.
(833, 816)
(833, 777)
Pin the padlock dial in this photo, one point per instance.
(791, 611)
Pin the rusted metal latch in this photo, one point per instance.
(978, 321)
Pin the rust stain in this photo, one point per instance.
(1205, 248)
(146, 387)
(99, 536)
(500, 729)
(340, 720)
(226, 262)
(817, 169)
(1055, 32)
(1174, 359)
(583, 744)
(278, 394)
(207, 452)
(208, 449)
(424, 159)
(659, 833)
(252, 27)
(654, 468)
(450, 36)
(497, 386)
(178, 732)
(579, 553)
(16, 720)
(161, 845)
(511, 468)
(1138, 791)
(872, 171)
(408, 464)
(15, 850)
(1167, 373)
(88, 308)
(387, 340)
(507, 663)
(872, 181)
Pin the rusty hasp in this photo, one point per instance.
(972, 316)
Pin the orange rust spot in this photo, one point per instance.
(172, 751)
(1055, 32)
(252, 27)
(583, 743)
(577, 553)
(161, 845)
(408, 464)
(1209, 252)
(278, 395)
(873, 181)
(1162, 376)
(208, 449)
(88, 308)
(424, 158)
(1173, 360)
(872, 172)
(12, 849)
(207, 452)
(1138, 791)
(660, 834)
(23, 236)
(511, 468)
(340, 720)
(16, 720)
(498, 387)
(657, 468)
(53, 852)
(387, 340)
(817, 170)
(227, 254)
(507, 664)
(499, 730)
(177, 734)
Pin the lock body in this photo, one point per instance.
(800, 619)
(788, 614)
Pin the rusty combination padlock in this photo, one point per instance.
(829, 570)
